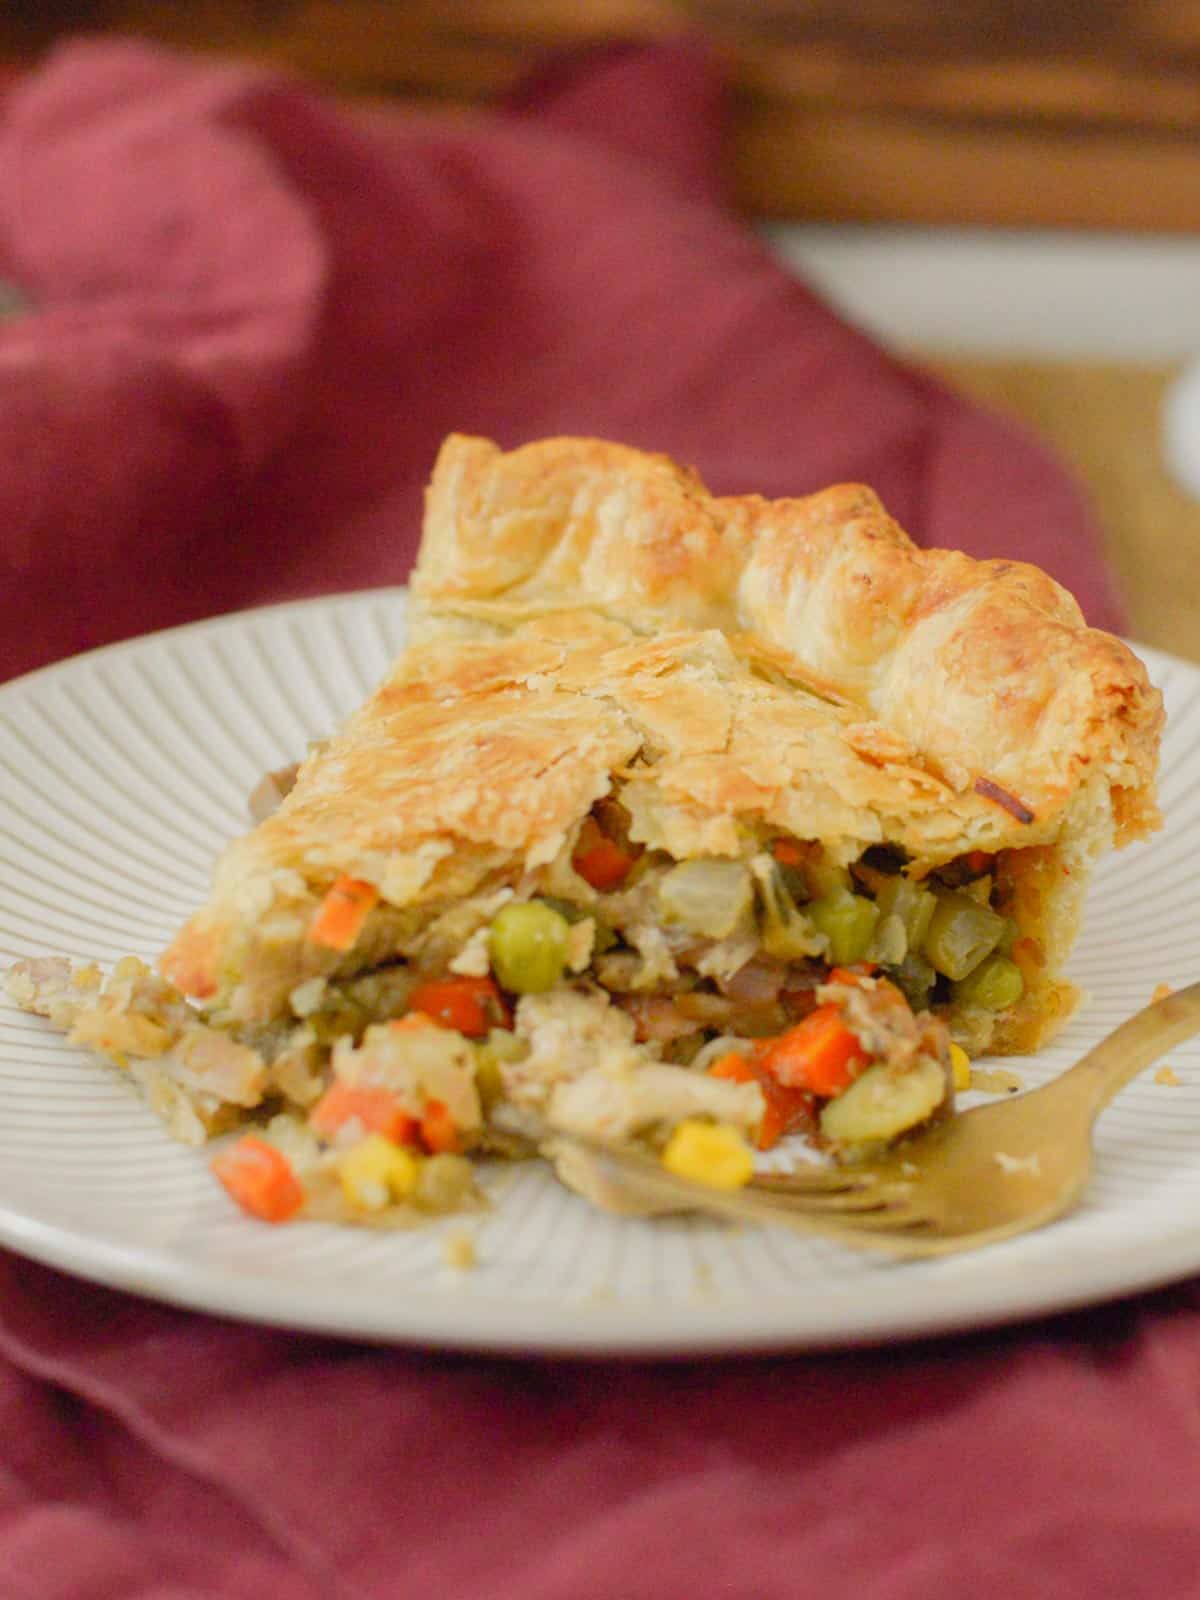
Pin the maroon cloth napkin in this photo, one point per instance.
(249, 319)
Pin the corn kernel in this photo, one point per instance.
(960, 1065)
(376, 1172)
(715, 1154)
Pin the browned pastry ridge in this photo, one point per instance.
(587, 617)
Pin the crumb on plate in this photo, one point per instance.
(458, 1251)
(995, 1080)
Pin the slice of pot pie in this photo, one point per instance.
(684, 820)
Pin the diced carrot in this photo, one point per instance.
(260, 1178)
(377, 1109)
(438, 1131)
(605, 866)
(785, 1108)
(787, 852)
(735, 1067)
(599, 860)
(341, 914)
(820, 1054)
(471, 1005)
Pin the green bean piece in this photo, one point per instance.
(914, 977)
(847, 921)
(961, 933)
(528, 947)
(914, 905)
(995, 984)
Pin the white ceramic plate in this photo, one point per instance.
(125, 771)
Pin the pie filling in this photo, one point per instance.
(705, 1008)
(426, 954)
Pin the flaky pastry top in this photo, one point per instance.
(588, 617)
(986, 669)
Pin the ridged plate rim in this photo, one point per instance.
(1091, 1257)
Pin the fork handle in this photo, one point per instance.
(1140, 1040)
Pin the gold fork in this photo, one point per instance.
(984, 1175)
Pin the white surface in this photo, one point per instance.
(1181, 429)
(1008, 292)
(127, 769)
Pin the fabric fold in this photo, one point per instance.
(330, 1469)
(251, 316)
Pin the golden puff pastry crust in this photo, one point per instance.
(986, 667)
(588, 617)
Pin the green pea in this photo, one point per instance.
(961, 933)
(995, 985)
(847, 921)
(528, 947)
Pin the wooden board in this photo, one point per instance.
(913, 110)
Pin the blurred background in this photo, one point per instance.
(1008, 189)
